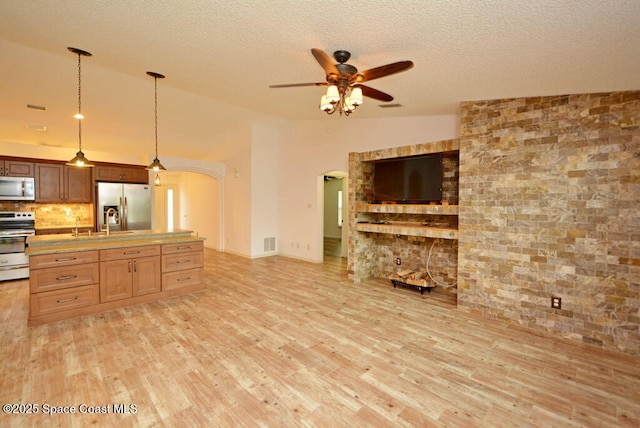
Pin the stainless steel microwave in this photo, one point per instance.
(17, 189)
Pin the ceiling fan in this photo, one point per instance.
(344, 81)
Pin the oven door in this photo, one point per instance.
(14, 263)
(12, 244)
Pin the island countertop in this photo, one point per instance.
(67, 242)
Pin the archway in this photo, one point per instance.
(211, 169)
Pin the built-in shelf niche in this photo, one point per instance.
(381, 232)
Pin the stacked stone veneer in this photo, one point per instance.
(54, 215)
(372, 255)
(550, 206)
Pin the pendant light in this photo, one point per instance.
(80, 160)
(156, 165)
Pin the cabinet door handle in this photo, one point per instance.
(63, 277)
(187, 247)
(68, 300)
(183, 279)
(135, 266)
(66, 259)
(129, 266)
(131, 252)
(183, 261)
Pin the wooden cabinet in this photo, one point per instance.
(182, 265)
(129, 272)
(101, 278)
(78, 185)
(63, 183)
(15, 168)
(121, 173)
(63, 282)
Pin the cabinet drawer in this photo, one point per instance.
(129, 252)
(63, 300)
(62, 259)
(176, 262)
(183, 247)
(182, 278)
(63, 277)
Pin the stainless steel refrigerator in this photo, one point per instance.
(130, 203)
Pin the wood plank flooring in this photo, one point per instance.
(282, 342)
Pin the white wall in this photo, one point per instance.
(199, 207)
(264, 188)
(310, 148)
(235, 153)
(38, 151)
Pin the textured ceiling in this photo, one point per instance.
(231, 51)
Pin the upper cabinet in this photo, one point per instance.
(122, 174)
(63, 183)
(15, 168)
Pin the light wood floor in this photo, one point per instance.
(281, 342)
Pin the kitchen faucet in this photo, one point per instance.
(75, 231)
(106, 220)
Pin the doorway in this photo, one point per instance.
(335, 224)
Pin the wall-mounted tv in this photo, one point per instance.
(409, 180)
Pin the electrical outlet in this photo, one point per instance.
(556, 302)
(398, 261)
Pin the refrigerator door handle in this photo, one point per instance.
(126, 214)
(123, 215)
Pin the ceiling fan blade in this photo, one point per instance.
(384, 70)
(293, 85)
(374, 93)
(325, 61)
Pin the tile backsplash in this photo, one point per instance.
(54, 215)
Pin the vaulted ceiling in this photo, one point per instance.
(225, 54)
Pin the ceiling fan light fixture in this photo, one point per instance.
(356, 96)
(345, 91)
(325, 105)
(333, 95)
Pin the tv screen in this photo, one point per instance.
(410, 180)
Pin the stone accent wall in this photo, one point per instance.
(550, 206)
(54, 215)
(372, 255)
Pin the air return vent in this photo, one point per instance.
(269, 244)
(35, 107)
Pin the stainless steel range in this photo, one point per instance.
(15, 227)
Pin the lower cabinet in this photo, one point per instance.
(63, 282)
(67, 285)
(129, 272)
(182, 265)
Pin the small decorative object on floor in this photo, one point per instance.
(416, 279)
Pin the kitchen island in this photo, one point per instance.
(79, 274)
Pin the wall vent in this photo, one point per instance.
(35, 107)
(269, 244)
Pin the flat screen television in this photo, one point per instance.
(409, 180)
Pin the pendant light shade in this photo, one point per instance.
(156, 165)
(79, 160)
